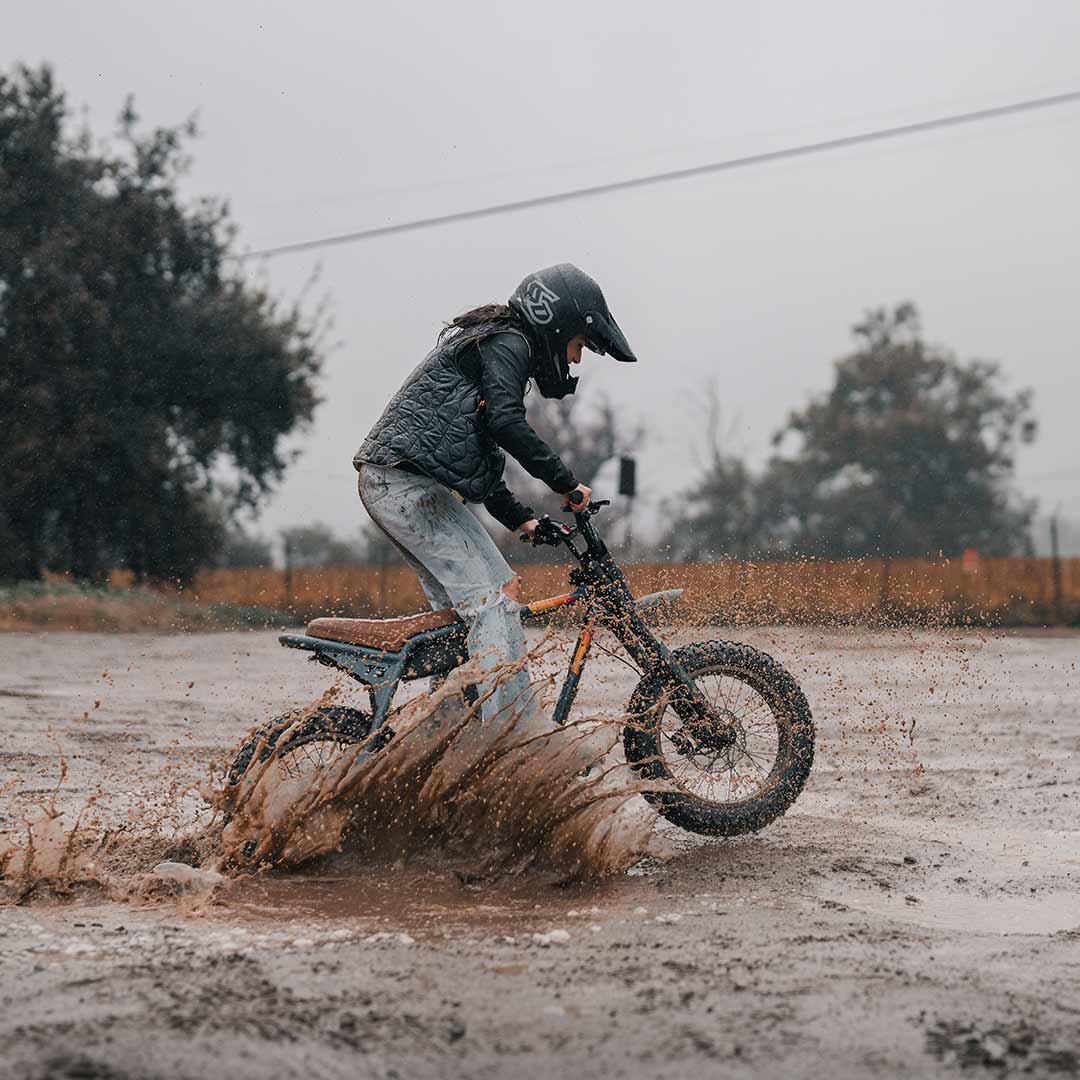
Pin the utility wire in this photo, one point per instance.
(955, 120)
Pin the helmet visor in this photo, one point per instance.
(603, 330)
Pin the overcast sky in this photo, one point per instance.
(323, 117)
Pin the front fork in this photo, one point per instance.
(573, 674)
(611, 603)
(700, 718)
(654, 658)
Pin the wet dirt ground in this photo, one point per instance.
(916, 913)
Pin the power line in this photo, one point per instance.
(768, 156)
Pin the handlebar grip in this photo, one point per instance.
(575, 498)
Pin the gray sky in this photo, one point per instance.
(329, 116)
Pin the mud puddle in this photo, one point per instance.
(1035, 915)
(425, 903)
(795, 952)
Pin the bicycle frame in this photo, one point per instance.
(580, 655)
(599, 585)
(604, 590)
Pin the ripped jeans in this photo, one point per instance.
(459, 566)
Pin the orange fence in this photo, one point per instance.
(1031, 590)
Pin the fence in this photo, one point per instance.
(1017, 590)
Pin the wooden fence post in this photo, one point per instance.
(288, 574)
(1055, 564)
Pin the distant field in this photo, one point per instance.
(59, 605)
(1005, 591)
(872, 592)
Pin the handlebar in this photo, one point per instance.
(553, 533)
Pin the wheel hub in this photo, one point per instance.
(716, 731)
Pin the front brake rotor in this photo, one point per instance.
(717, 731)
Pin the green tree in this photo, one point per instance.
(911, 453)
(136, 369)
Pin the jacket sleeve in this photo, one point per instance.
(506, 509)
(504, 372)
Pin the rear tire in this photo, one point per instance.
(334, 725)
(778, 710)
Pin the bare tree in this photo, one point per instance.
(719, 513)
(585, 438)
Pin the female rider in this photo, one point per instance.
(440, 442)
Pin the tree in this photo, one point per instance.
(241, 549)
(910, 453)
(719, 515)
(316, 545)
(136, 368)
(585, 441)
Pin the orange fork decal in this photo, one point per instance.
(582, 649)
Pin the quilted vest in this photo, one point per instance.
(436, 423)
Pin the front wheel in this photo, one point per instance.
(746, 774)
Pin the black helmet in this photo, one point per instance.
(560, 303)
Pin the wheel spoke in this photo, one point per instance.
(740, 687)
(738, 771)
(729, 686)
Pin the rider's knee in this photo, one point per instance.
(489, 602)
(513, 588)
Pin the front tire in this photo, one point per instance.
(737, 788)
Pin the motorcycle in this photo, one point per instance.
(721, 728)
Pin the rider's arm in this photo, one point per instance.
(504, 372)
(506, 509)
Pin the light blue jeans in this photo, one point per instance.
(459, 566)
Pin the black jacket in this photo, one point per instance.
(455, 415)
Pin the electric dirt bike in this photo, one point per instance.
(723, 730)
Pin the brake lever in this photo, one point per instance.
(548, 532)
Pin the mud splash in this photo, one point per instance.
(450, 791)
(493, 798)
(446, 793)
(57, 854)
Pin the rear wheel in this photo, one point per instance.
(312, 738)
(745, 773)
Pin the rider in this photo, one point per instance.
(440, 442)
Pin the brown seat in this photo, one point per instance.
(390, 635)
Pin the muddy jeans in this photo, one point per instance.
(459, 566)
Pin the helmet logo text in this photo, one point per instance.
(537, 299)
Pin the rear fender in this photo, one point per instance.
(435, 652)
(366, 665)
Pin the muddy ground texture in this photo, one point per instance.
(916, 913)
